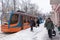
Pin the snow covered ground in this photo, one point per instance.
(39, 33)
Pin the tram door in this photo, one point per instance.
(14, 21)
(21, 21)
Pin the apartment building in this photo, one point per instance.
(55, 14)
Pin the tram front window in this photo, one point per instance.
(14, 19)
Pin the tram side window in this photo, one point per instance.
(27, 18)
(14, 19)
(24, 19)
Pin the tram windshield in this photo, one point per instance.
(6, 18)
(14, 19)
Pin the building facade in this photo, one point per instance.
(55, 14)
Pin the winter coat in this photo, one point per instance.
(31, 22)
(38, 21)
(49, 25)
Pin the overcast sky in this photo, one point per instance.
(44, 5)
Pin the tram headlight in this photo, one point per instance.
(4, 23)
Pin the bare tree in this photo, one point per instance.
(24, 5)
(28, 7)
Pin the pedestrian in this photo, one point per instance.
(34, 23)
(50, 26)
(38, 22)
(31, 24)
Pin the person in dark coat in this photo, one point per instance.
(34, 23)
(31, 24)
(38, 22)
(50, 26)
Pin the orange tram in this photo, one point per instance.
(16, 22)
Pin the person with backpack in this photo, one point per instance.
(50, 26)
